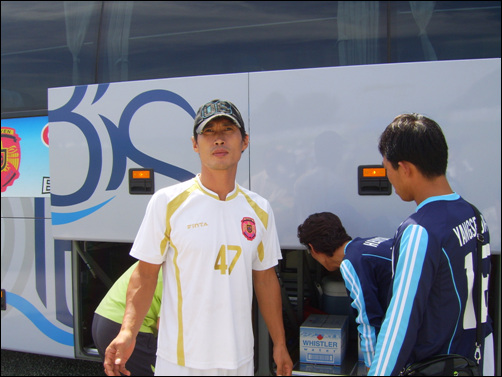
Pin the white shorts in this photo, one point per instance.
(165, 368)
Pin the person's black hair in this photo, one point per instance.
(324, 231)
(416, 139)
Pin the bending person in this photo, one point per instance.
(107, 322)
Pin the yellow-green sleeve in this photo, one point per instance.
(113, 304)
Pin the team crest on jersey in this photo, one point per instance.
(11, 157)
(248, 227)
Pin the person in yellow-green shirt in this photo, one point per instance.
(108, 320)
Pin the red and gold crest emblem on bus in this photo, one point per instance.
(248, 227)
(11, 157)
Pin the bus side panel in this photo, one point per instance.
(99, 132)
(36, 276)
(319, 125)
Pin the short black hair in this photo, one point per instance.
(416, 139)
(324, 231)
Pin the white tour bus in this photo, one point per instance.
(119, 83)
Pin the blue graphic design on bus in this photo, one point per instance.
(37, 318)
(122, 147)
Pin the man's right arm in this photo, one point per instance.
(357, 294)
(398, 334)
(140, 293)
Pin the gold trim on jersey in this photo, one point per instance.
(172, 206)
(205, 191)
(261, 252)
(234, 195)
(262, 215)
(209, 193)
(180, 350)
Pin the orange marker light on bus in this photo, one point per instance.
(141, 174)
(374, 172)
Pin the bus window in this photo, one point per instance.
(52, 44)
(444, 30)
(45, 44)
(173, 39)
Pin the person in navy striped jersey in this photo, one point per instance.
(431, 309)
(365, 265)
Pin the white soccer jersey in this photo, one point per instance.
(209, 248)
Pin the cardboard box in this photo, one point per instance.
(323, 339)
(317, 369)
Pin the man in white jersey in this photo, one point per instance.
(215, 241)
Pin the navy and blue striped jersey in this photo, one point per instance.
(431, 309)
(367, 272)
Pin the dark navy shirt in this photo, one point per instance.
(367, 272)
(431, 309)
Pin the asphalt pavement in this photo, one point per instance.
(27, 364)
